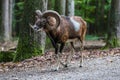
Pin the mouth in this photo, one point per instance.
(35, 28)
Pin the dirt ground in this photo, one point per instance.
(105, 68)
(98, 65)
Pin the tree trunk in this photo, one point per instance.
(117, 16)
(99, 18)
(69, 7)
(60, 6)
(42, 33)
(114, 24)
(6, 21)
(50, 4)
(10, 17)
(40, 37)
(27, 46)
(63, 6)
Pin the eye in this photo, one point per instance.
(44, 21)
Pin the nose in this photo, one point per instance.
(36, 28)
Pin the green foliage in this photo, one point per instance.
(6, 56)
(27, 49)
(112, 42)
(84, 9)
(95, 12)
(20, 5)
(92, 37)
(51, 4)
(18, 11)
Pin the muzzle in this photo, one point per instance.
(35, 28)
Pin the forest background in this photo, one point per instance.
(102, 17)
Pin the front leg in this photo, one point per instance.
(61, 48)
(57, 55)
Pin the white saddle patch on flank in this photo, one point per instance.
(75, 24)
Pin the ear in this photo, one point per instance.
(37, 17)
(38, 13)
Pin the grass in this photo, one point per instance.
(92, 37)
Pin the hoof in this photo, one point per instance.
(80, 66)
(65, 66)
(55, 70)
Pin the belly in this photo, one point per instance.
(72, 40)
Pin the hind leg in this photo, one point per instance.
(81, 54)
(81, 59)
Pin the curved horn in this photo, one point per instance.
(53, 14)
(38, 12)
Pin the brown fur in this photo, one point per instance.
(66, 31)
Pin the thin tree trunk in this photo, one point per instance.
(42, 33)
(96, 16)
(50, 5)
(63, 6)
(69, 7)
(7, 19)
(101, 26)
(114, 25)
(117, 21)
(40, 37)
(44, 6)
(10, 17)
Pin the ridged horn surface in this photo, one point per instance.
(38, 12)
(52, 14)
